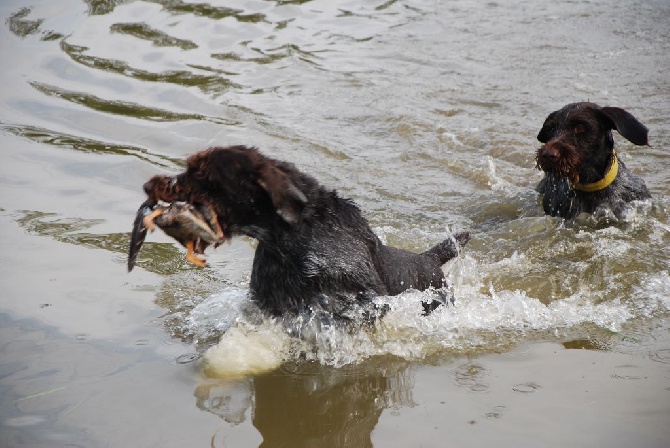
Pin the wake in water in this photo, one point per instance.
(530, 279)
(250, 343)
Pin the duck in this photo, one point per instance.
(195, 227)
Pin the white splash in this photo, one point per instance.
(245, 349)
(249, 345)
(483, 318)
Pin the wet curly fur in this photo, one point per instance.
(315, 249)
(578, 149)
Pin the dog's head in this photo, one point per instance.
(577, 139)
(244, 187)
(162, 188)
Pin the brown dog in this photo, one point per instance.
(315, 249)
(582, 171)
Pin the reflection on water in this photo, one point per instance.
(587, 344)
(157, 37)
(76, 143)
(21, 27)
(161, 258)
(98, 7)
(119, 107)
(311, 405)
(208, 83)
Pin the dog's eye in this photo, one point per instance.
(578, 129)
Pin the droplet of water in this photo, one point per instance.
(187, 358)
(526, 388)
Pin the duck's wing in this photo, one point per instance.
(139, 233)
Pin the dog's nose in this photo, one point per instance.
(549, 154)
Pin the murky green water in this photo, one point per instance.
(425, 113)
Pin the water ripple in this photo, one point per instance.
(124, 108)
(209, 84)
(59, 139)
(157, 37)
(661, 356)
(22, 27)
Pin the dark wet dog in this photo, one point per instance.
(315, 249)
(582, 170)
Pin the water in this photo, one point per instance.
(423, 112)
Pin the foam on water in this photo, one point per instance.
(589, 284)
(250, 343)
(245, 349)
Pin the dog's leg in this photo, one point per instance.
(149, 219)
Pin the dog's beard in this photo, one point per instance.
(565, 166)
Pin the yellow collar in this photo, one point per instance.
(605, 181)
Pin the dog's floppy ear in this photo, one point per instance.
(544, 136)
(627, 125)
(287, 199)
